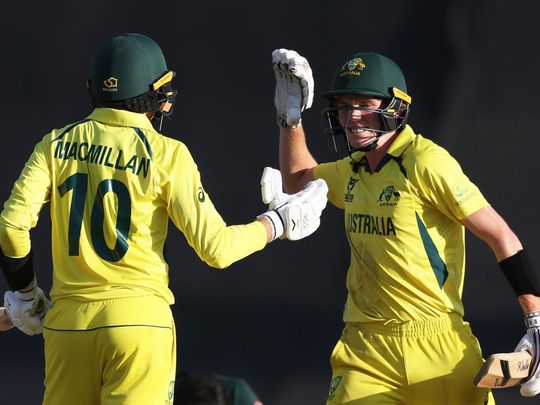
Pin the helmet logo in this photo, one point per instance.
(111, 84)
(352, 67)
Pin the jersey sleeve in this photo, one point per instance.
(193, 213)
(21, 211)
(443, 183)
(333, 173)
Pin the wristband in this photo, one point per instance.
(275, 221)
(520, 273)
(19, 272)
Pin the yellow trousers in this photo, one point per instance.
(413, 363)
(91, 358)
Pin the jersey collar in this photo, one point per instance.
(403, 139)
(398, 146)
(121, 117)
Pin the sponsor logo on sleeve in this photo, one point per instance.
(201, 196)
(333, 387)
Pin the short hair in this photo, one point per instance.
(198, 389)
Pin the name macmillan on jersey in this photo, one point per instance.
(102, 155)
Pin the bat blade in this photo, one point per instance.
(5, 322)
(501, 370)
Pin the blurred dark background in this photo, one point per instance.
(471, 68)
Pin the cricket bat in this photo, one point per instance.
(501, 370)
(5, 322)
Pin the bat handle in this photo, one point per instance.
(5, 322)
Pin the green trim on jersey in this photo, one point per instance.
(69, 128)
(402, 221)
(141, 135)
(113, 182)
(437, 265)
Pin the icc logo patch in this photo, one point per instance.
(349, 196)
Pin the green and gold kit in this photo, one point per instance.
(113, 182)
(402, 220)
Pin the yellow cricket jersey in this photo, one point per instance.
(113, 182)
(402, 222)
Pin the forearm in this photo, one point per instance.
(489, 226)
(514, 261)
(224, 246)
(295, 160)
(270, 233)
(529, 302)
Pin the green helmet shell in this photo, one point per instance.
(367, 73)
(126, 66)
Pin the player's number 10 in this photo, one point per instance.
(78, 182)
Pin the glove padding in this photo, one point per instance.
(294, 86)
(531, 343)
(294, 216)
(27, 308)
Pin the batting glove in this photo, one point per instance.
(531, 343)
(27, 308)
(294, 86)
(294, 216)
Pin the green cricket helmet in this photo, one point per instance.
(130, 73)
(369, 74)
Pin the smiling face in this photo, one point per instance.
(360, 116)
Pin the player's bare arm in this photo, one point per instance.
(295, 160)
(294, 94)
(489, 226)
(517, 267)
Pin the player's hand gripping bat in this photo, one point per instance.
(501, 370)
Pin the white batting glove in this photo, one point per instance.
(272, 187)
(294, 87)
(27, 308)
(293, 216)
(531, 343)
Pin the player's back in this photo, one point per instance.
(109, 224)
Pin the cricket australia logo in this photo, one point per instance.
(110, 84)
(333, 387)
(352, 67)
(348, 195)
(389, 197)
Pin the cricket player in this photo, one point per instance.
(406, 203)
(113, 181)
